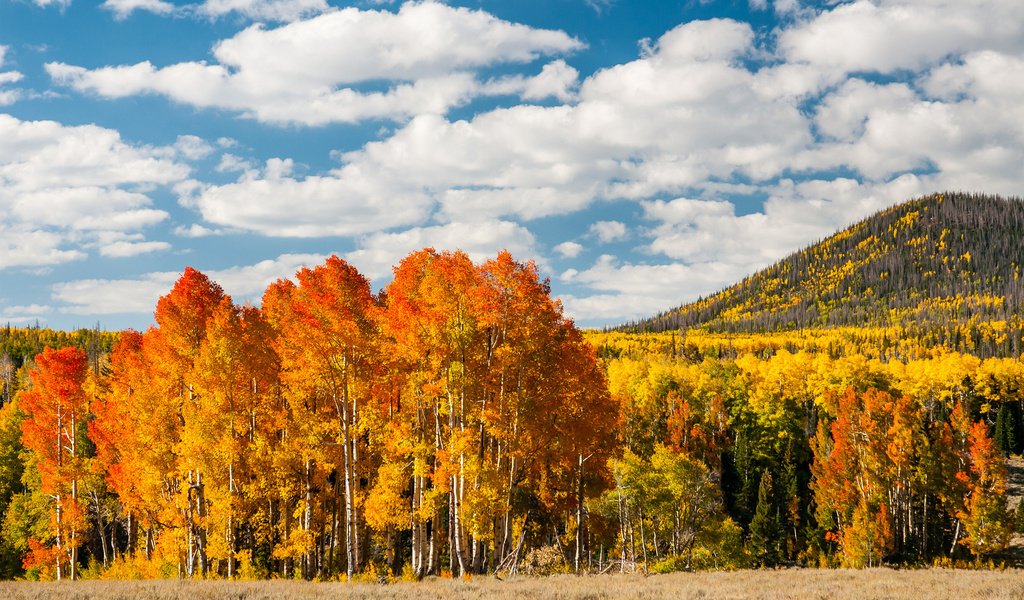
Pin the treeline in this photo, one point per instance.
(450, 423)
(944, 270)
(457, 423)
(811, 459)
(18, 346)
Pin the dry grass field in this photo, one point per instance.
(792, 583)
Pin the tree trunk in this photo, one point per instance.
(578, 562)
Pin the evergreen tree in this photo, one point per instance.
(765, 528)
(1014, 432)
(1018, 517)
(790, 488)
(1000, 430)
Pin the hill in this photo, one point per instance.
(943, 270)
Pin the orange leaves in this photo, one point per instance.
(985, 515)
(331, 414)
(56, 407)
(182, 314)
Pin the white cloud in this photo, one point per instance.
(8, 96)
(111, 296)
(890, 35)
(63, 188)
(59, 4)
(309, 71)
(346, 204)
(569, 249)
(556, 80)
(230, 163)
(196, 230)
(631, 291)
(139, 295)
(256, 10)
(10, 77)
(609, 231)
(117, 244)
(123, 8)
(24, 314)
(379, 252)
(26, 247)
(193, 147)
(263, 10)
(551, 160)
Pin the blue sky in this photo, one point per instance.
(643, 153)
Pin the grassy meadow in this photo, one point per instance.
(789, 583)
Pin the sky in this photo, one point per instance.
(642, 153)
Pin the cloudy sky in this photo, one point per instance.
(643, 153)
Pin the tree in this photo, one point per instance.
(56, 409)
(985, 516)
(329, 356)
(766, 534)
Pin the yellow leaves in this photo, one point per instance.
(298, 543)
(385, 505)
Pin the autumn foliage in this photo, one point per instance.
(457, 423)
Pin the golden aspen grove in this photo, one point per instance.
(457, 423)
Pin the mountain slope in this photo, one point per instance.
(945, 269)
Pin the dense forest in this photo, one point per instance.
(939, 271)
(456, 423)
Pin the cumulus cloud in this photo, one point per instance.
(345, 204)
(569, 249)
(139, 295)
(609, 231)
(893, 35)
(66, 189)
(311, 71)
(552, 160)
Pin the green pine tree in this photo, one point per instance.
(1000, 430)
(1013, 431)
(766, 536)
(790, 488)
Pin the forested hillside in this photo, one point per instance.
(943, 270)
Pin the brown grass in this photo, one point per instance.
(791, 583)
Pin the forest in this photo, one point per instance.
(457, 423)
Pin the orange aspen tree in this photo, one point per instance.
(327, 344)
(985, 516)
(135, 429)
(182, 316)
(56, 408)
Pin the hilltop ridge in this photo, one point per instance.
(945, 269)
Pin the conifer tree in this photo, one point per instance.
(765, 528)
